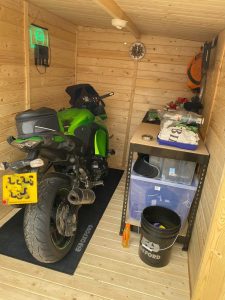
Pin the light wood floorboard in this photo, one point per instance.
(106, 270)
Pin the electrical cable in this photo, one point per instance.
(50, 51)
(40, 71)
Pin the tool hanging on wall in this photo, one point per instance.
(206, 52)
(197, 76)
(194, 73)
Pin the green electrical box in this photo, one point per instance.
(38, 36)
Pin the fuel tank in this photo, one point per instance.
(72, 118)
(86, 127)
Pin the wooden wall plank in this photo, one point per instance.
(210, 281)
(161, 75)
(12, 76)
(21, 86)
(12, 79)
(213, 131)
(48, 89)
(196, 20)
(104, 61)
(213, 76)
(26, 56)
(11, 16)
(11, 30)
(12, 4)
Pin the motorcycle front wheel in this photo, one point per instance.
(42, 237)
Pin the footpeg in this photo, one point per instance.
(100, 182)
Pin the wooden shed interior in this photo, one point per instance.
(85, 47)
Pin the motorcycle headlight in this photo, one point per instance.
(26, 144)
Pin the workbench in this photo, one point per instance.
(152, 147)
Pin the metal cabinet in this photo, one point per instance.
(200, 156)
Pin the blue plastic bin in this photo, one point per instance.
(148, 192)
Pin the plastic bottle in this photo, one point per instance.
(126, 236)
(183, 116)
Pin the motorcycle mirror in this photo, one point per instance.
(107, 95)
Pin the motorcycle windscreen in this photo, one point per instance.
(100, 142)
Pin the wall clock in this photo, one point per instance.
(137, 50)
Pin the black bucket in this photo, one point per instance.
(159, 229)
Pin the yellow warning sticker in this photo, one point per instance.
(20, 188)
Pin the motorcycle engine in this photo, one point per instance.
(99, 168)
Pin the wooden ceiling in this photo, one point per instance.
(194, 20)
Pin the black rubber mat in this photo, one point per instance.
(12, 241)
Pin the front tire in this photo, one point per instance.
(43, 240)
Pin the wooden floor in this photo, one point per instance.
(106, 270)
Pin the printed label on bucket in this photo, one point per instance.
(150, 246)
(149, 254)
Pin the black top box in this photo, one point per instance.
(36, 122)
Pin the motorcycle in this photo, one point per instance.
(66, 158)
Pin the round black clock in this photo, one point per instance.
(137, 50)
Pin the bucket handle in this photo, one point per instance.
(147, 248)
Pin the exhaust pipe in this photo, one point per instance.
(79, 196)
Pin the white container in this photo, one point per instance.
(148, 192)
(179, 171)
(173, 170)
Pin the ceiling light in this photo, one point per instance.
(119, 23)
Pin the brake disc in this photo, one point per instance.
(66, 219)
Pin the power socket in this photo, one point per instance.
(41, 55)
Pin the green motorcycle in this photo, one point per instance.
(66, 158)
